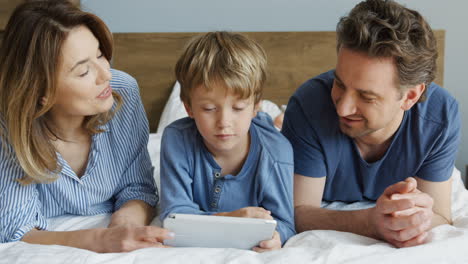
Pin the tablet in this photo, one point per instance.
(217, 231)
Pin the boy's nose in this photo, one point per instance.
(224, 118)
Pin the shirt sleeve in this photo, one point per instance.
(137, 181)
(176, 176)
(309, 159)
(20, 207)
(278, 198)
(438, 165)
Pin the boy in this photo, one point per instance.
(225, 159)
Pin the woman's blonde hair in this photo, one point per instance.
(222, 58)
(29, 61)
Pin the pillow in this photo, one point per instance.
(270, 108)
(154, 149)
(173, 110)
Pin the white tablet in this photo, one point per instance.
(217, 231)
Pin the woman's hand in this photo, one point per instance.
(269, 245)
(127, 229)
(127, 238)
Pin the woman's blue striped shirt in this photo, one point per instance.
(118, 170)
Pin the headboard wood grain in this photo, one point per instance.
(293, 58)
(7, 7)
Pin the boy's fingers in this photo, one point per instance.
(260, 250)
(273, 243)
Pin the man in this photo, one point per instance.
(376, 128)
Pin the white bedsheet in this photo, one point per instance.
(448, 245)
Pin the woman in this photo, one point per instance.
(74, 134)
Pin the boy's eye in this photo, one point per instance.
(208, 109)
(238, 108)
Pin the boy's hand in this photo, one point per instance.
(269, 245)
(249, 212)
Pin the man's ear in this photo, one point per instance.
(412, 96)
(189, 110)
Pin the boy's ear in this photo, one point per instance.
(257, 107)
(412, 96)
(189, 110)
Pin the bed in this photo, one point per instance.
(293, 58)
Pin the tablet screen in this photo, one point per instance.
(217, 231)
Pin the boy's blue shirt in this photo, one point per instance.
(191, 181)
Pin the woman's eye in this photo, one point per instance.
(238, 108)
(84, 74)
(100, 56)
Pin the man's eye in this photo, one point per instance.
(238, 109)
(368, 100)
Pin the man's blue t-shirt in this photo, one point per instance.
(191, 180)
(425, 144)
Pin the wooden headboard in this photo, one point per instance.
(293, 58)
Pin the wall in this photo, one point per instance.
(292, 15)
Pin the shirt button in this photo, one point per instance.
(217, 190)
(217, 174)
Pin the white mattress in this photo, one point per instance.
(448, 245)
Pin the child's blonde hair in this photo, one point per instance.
(222, 58)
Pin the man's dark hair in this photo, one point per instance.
(382, 28)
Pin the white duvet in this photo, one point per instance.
(448, 244)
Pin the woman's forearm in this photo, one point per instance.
(116, 239)
(89, 239)
(128, 223)
(133, 213)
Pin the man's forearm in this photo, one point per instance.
(438, 220)
(313, 218)
(134, 212)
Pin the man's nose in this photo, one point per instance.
(346, 105)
